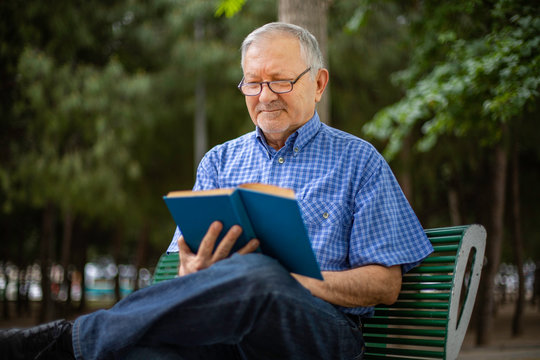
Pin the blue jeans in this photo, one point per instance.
(243, 307)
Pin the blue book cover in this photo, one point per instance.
(266, 212)
(193, 212)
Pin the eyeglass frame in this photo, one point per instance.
(268, 83)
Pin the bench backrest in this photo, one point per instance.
(430, 318)
(166, 268)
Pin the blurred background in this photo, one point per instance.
(105, 106)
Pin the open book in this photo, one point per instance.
(266, 212)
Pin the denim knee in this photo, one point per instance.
(263, 273)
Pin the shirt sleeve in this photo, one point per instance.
(385, 229)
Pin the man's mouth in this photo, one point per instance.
(269, 108)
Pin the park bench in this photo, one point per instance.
(430, 318)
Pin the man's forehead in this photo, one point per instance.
(269, 72)
(274, 56)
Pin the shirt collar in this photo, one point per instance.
(299, 138)
(307, 132)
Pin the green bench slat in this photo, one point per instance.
(439, 259)
(168, 273)
(381, 339)
(432, 269)
(446, 231)
(421, 286)
(445, 248)
(424, 296)
(158, 279)
(412, 313)
(374, 348)
(372, 356)
(443, 305)
(170, 263)
(454, 239)
(427, 278)
(400, 321)
(383, 329)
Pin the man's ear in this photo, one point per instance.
(321, 81)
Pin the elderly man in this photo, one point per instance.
(246, 305)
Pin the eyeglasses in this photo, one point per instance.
(277, 87)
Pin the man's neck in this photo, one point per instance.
(277, 143)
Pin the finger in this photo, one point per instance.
(250, 247)
(184, 253)
(224, 248)
(183, 247)
(209, 240)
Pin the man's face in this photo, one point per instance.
(279, 115)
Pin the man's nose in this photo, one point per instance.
(266, 94)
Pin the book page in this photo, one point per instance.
(270, 189)
(184, 193)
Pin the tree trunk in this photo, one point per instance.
(517, 323)
(23, 286)
(47, 250)
(117, 253)
(200, 123)
(81, 258)
(493, 246)
(66, 258)
(142, 249)
(453, 204)
(313, 16)
(5, 303)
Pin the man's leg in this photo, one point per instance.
(248, 301)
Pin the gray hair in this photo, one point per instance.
(309, 47)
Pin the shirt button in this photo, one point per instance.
(281, 160)
(296, 149)
(325, 215)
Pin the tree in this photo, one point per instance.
(313, 16)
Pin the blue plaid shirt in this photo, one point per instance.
(352, 205)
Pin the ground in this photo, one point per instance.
(503, 345)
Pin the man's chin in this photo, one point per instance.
(272, 126)
(273, 130)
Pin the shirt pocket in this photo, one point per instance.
(320, 213)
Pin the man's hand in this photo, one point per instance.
(206, 256)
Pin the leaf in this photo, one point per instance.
(229, 7)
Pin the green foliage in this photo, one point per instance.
(362, 56)
(80, 130)
(482, 77)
